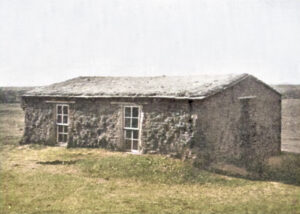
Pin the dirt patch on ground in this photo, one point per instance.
(231, 169)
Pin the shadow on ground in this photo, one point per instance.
(57, 162)
(284, 169)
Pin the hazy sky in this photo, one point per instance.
(46, 41)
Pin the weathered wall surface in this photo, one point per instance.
(233, 130)
(39, 122)
(99, 123)
(166, 126)
(95, 123)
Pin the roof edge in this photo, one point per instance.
(266, 85)
(132, 97)
(243, 77)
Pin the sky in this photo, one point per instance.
(47, 41)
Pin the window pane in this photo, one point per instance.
(65, 119)
(135, 134)
(135, 144)
(127, 122)
(128, 144)
(134, 123)
(65, 129)
(127, 112)
(59, 119)
(65, 109)
(60, 129)
(135, 111)
(128, 134)
(60, 137)
(59, 111)
(65, 138)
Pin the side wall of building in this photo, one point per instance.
(232, 129)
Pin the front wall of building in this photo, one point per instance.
(165, 124)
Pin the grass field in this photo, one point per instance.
(38, 179)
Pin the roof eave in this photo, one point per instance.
(106, 96)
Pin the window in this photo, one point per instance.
(62, 122)
(131, 127)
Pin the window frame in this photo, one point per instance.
(62, 114)
(131, 117)
(62, 124)
(132, 129)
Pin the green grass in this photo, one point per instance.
(40, 179)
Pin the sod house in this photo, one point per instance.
(220, 117)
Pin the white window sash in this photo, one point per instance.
(131, 117)
(131, 139)
(62, 114)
